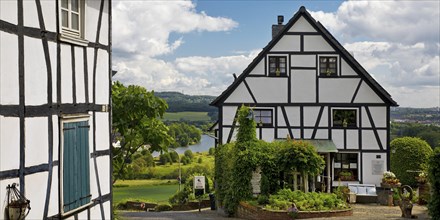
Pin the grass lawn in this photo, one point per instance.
(144, 190)
(189, 116)
(163, 170)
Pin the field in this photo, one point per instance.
(188, 116)
(161, 171)
(144, 190)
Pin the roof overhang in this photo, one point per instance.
(324, 146)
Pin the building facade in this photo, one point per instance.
(55, 121)
(305, 85)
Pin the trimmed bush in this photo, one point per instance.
(434, 180)
(409, 153)
(211, 151)
(163, 207)
(189, 154)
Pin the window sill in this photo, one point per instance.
(73, 40)
(275, 76)
(348, 127)
(325, 76)
(73, 211)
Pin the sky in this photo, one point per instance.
(194, 47)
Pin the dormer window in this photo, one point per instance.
(328, 66)
(277, 66)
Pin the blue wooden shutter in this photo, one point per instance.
(76, 177)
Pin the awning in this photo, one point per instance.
(324, 146)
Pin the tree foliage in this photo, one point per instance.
(136, 124)
(429, 133)
(409, 154)
(184, 134)
(434, 180)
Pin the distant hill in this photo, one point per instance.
(178, 102)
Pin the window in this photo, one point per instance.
(343, 118)
(263, 117)
(346, 167)
(72, 21)
(277, 66)
(75, 184)
(327, 66)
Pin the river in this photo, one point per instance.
(205, 143)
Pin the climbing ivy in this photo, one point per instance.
(434, 180)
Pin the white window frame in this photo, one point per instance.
(68, 34)
(68, 119)
(359, 168)
(340, 108)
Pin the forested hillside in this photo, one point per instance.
(178, 102)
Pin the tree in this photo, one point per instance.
(434, 179)
(136, 124)
(409, 154)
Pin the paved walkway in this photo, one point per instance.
(361, 212)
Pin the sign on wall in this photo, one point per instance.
(377, 167)
(199, 182)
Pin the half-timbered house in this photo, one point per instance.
(305, 85)
(55, 77)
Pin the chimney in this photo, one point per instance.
(276, 28)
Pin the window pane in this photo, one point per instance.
(75, 5)
(282, 65)
(332, 60)
(266, 120)
(64, 4)
(266, 113)
(64, 18)
(75, 21)
(282, 59)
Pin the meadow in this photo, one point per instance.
(151, 190)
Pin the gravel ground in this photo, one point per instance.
(361, 212)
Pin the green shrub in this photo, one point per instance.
(200, 160)
(163, 207)
(189, 154)
(211, 151)
(434, 180)
(262, 199)
(409, 153)
(165, 158)
(174, 156)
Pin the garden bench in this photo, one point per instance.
(365, 193)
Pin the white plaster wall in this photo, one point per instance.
(365, 120)
(321, 134)
(104, 174)
(302, 25)
(53, 63)
(303, 60)
(225, 135)
(352, 139)
(8, 11)
(30, 16)
(66, 74)
(102, 131)
(83, 214)
(90, 63)
(338, 138)
(346, 70)
(308, 133)
(240, 95)
(324, 118)
(53, 201)
(9, 143)
(311, 115)
(383, 138)
(95, 211)
(303, 85)
(102, 78)
(36, 185)
(79, 75)
(228, 114)
(56, 131)
(49, 15)
(281, 121)
(259, 69)
(337, 90)
(268, 90)
(316, 43)
(36, 139)
(103, 37)
(367, 168)
(366, 95)
(379, 115)
(369, 140)
(296, 133)
(93, 181)
(35, 72)
(282, 133)
(293, 115)
(9, 94)
(287, 43)
(268, 134)
(91, 20)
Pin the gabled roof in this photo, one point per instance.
(384, 95)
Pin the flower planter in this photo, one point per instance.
(17, 210)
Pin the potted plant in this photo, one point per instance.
(17, 209)
(389, 180)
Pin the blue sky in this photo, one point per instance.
(195, 46)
